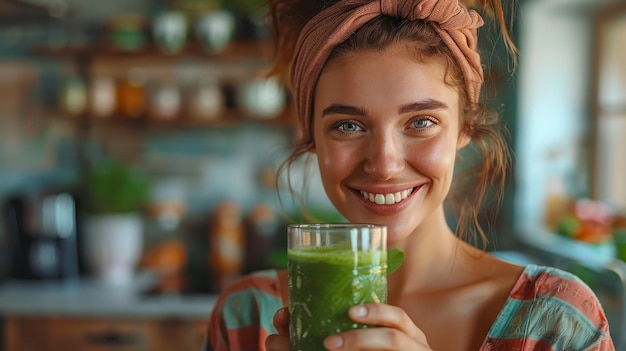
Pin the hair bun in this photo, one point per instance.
(287, 18)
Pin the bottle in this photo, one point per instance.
(261, 228)
(131, 95)
(226, 252)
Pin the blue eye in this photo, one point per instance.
(349, 127)
(422, 123)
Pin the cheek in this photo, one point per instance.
(334, 164)
(435, 158)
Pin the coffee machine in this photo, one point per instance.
(42, 232)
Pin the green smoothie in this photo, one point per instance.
(323, 284)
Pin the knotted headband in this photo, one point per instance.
(456, 25)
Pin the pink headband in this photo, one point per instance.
(456, 25)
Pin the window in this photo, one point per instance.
(608, 159)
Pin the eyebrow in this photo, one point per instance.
(428, 104)
(340, 109)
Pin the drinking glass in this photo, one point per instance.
(332, 266)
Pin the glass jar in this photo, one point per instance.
(165, 101)
(102, 97)
(131, 95)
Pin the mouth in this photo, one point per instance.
(388, 198)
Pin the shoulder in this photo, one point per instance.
(252, 292)
(244, 312)
(555, 290)
(556, 287)
(551, 305)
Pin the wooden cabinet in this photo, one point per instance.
(30, 333)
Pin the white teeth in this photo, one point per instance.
(387, 199)
(379, 199)
(390, 199)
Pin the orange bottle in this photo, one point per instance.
(226, 245)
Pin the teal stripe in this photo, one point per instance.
(546, 318)
(507, 314)
(250, 307)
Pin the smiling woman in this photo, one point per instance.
(389, 125)
(387, 93)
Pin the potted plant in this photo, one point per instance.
(114, 196)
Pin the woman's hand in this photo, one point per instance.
(395, 331)
(280, 341)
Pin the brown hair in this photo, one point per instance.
(481, 179)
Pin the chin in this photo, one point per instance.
(396, 236)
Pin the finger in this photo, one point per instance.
(276, 342)
(374, 339)
(384, 315)
(281, 321)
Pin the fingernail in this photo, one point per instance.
(359, 311)
(333, 342)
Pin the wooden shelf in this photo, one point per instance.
(235, 51)
(242, 53)
(230, 118)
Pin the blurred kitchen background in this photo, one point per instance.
(139, 142)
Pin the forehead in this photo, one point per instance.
(395, 73)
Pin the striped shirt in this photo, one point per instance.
(547, 309)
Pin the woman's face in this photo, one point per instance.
(386, 131)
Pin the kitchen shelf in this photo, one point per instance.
(230, 118)
(245, 54)
(234, 52)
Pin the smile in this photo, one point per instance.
(387, 199)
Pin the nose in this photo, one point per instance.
(385, 156)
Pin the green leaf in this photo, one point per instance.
(114, 187)
(395, 257)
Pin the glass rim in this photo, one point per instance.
(337, 225)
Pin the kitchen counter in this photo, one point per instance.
(90, 298)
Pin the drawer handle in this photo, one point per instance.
(114, 339)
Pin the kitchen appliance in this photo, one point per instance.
(42, 234)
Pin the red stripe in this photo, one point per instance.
(247, 338)
(517, 345)
(570, 291)
(263, 283)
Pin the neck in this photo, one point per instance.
(432, 253)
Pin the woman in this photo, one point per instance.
(388, 93)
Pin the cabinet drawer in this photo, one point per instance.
(91, 334)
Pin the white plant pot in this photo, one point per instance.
(112, 246)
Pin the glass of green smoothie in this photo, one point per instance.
(331, 268)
